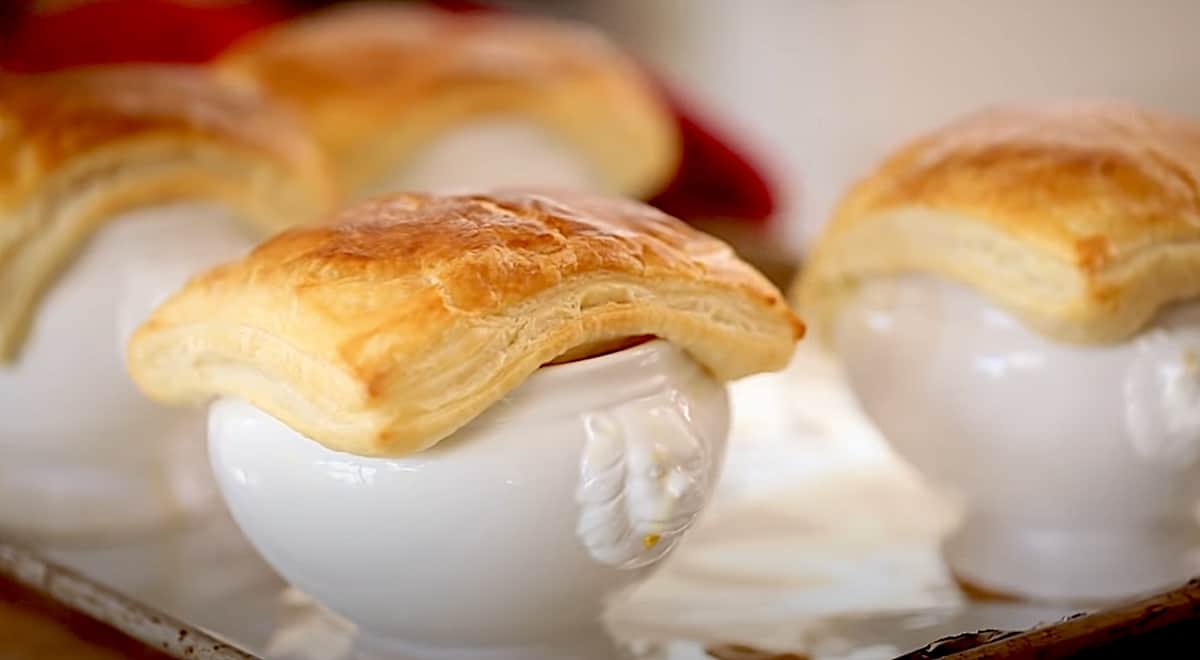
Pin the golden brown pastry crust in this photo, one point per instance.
(376, 82)
(387, 331)
(1081, 218)
(82, 146)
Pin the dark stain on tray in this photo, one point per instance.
(50, 611)
(1161, 626)
(34, 626)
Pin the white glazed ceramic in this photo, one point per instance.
(1077, 465)
(82, 452)
(506, 540)
(497, 152)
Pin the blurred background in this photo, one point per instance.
(812, 92)
(824, 88)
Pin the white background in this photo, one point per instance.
(823, 88)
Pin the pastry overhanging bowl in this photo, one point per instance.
(124, 181)
(1014, 299)
(411, 98)
(434, 399)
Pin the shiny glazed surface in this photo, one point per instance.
(1077, 464)
(516, 531)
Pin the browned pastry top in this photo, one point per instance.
(1083, 218)
(377, 81)
(388, 330)
(81, 146)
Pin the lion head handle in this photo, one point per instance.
(644, 477)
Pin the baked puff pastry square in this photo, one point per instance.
(384, 331)
(1081, 218)
(81, 147)
(380, 84)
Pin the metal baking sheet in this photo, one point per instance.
(99, 615)
(818, 540)
(1163, 625)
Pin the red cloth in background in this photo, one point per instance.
(122, 31)
(716, 180)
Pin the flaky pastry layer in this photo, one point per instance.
(377, 82)
(1081, 218)
(387, 330)
(83, 146)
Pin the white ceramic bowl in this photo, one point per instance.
(496, 152)
(507, 539)
(1077, 466)
(82, 452)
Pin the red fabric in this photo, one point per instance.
(122, 31)
(715, 179)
